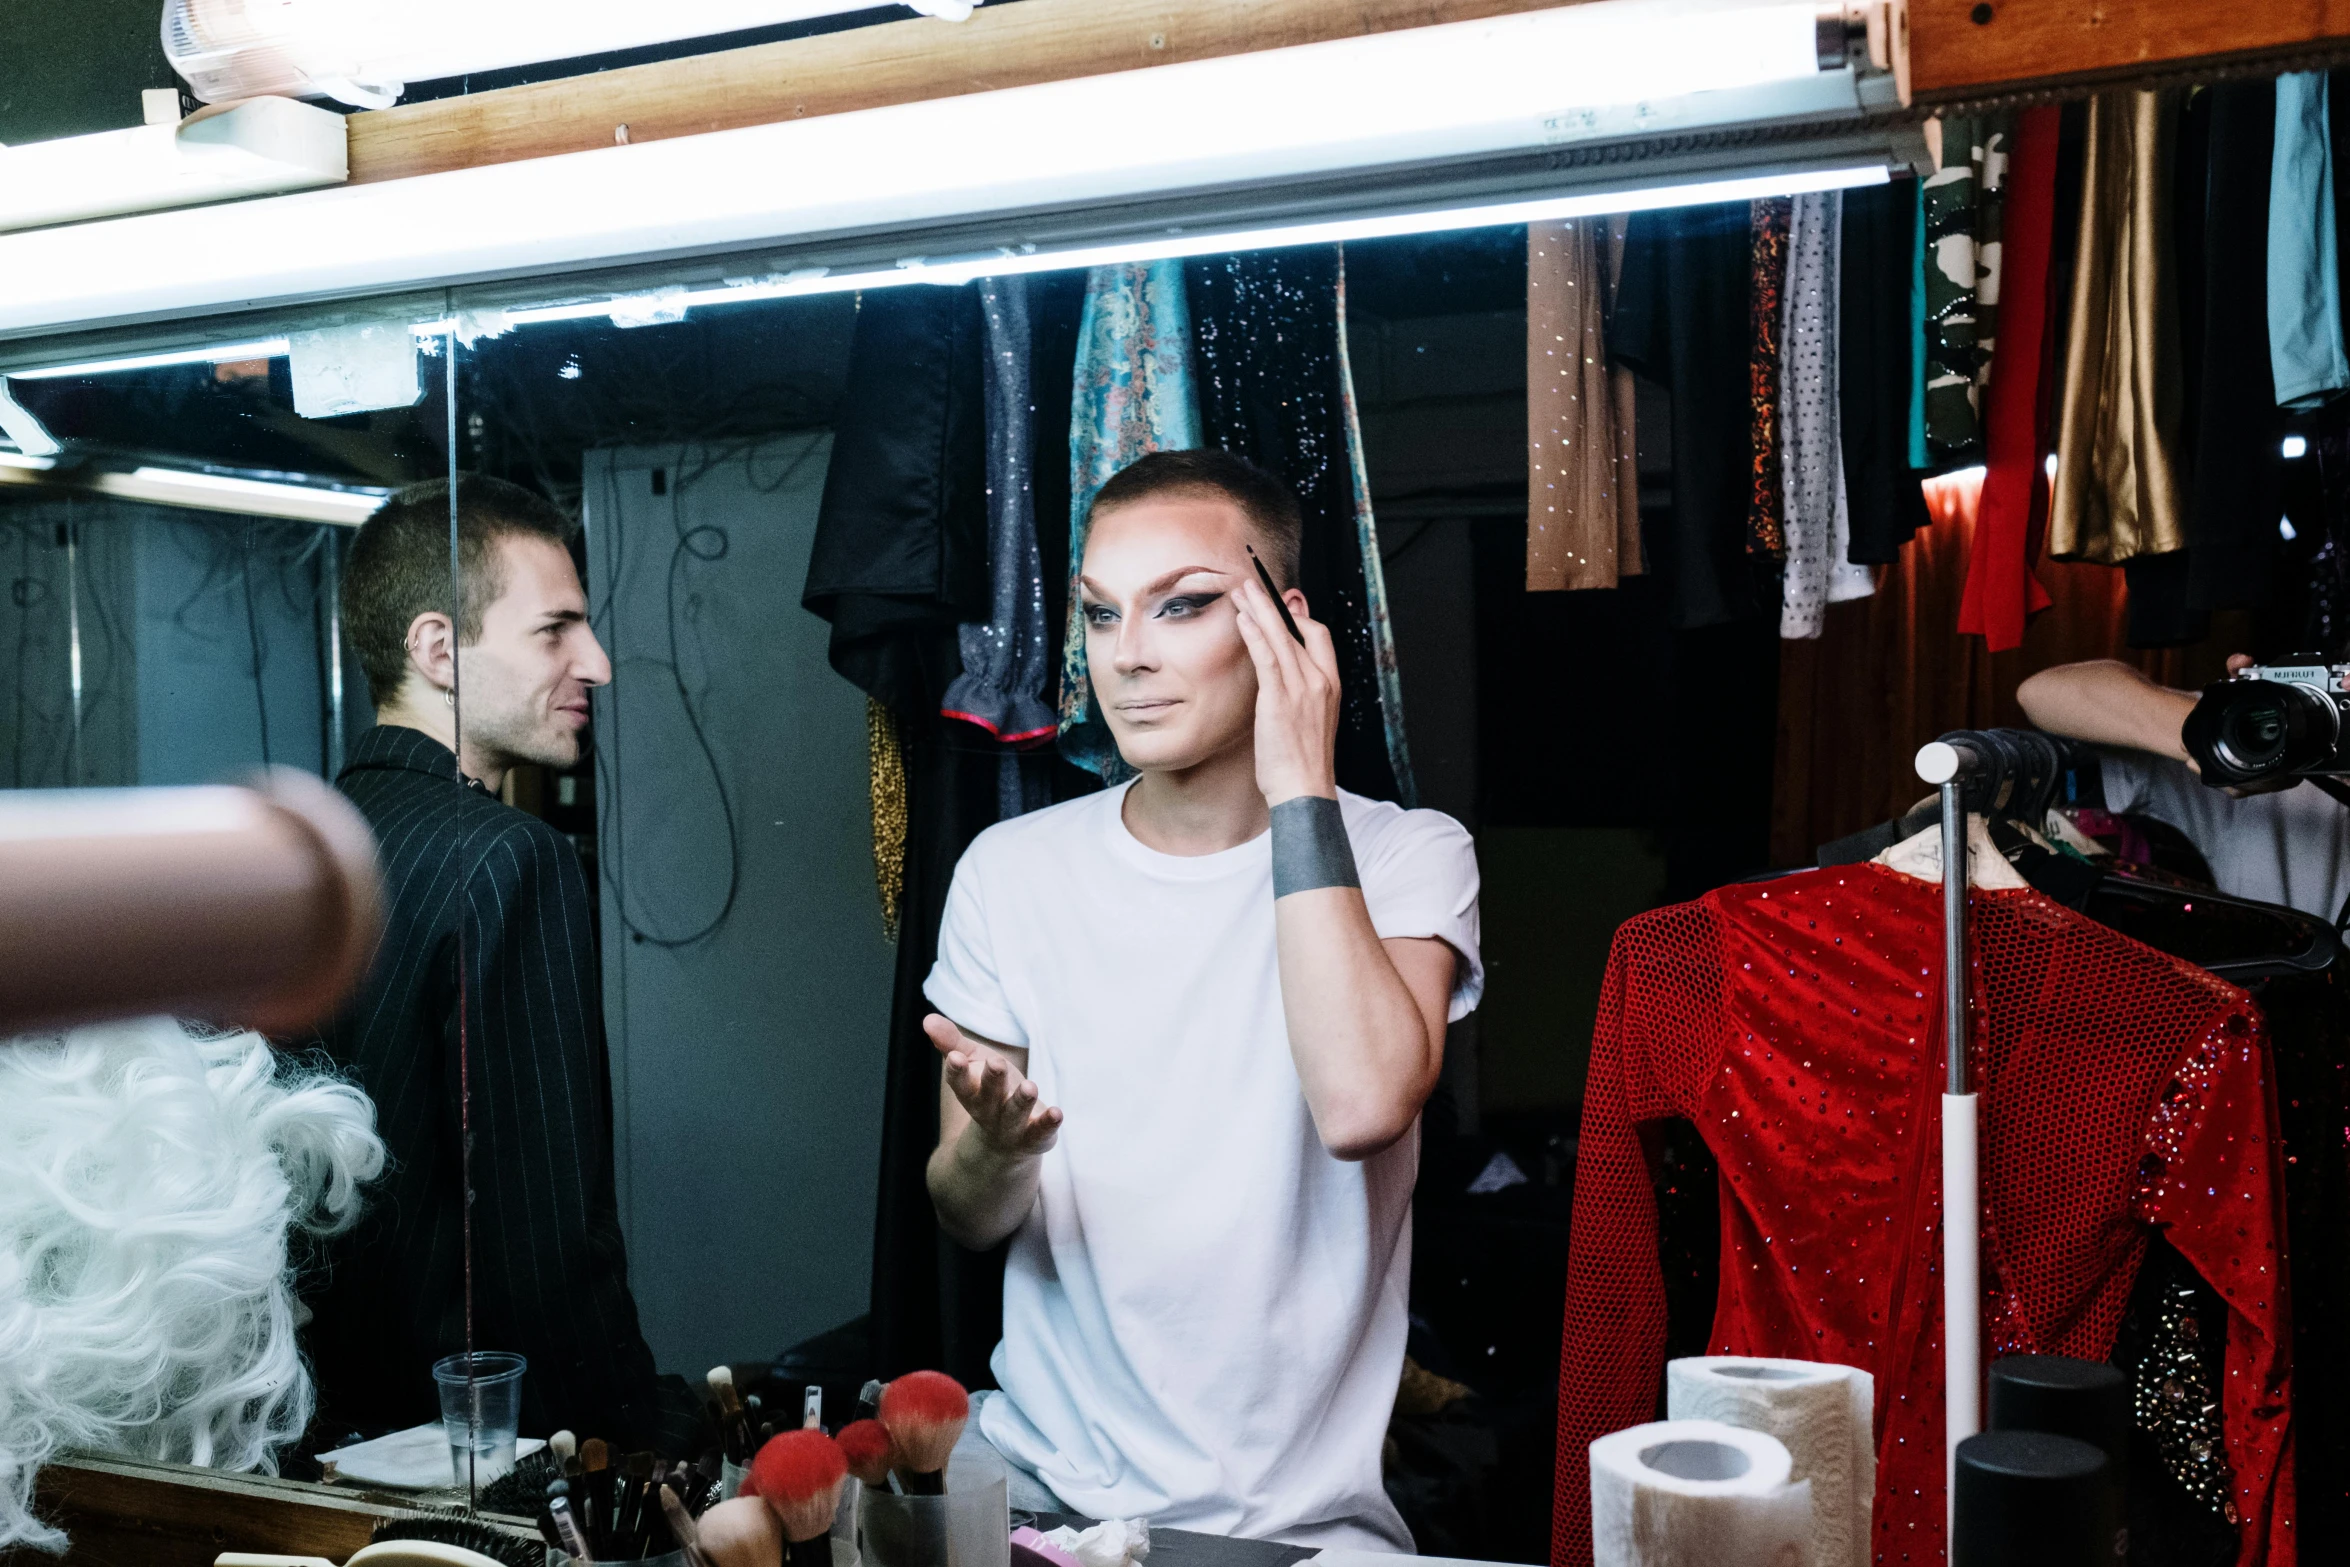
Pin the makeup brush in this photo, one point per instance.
(1274, 594)
(925, 1412)
(594, 1498)
(869, 1451)
(733, 1423)
(799, 1476)
(640, 1514)
(562, 1445)
(741, 1533)
(681, 1527)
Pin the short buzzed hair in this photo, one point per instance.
(398, 566)
(1270, 505)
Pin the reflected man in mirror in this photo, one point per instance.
(483, 1003)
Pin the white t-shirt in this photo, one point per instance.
(1204, 1314)
(2291, 846)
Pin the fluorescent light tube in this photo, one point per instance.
(219, 354)
(364, 52)
(952, 270)
(261, 148)
(1246, 131)
(200, 491)
(252, 497)
(203, 492)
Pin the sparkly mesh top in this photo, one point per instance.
(1797, 1025)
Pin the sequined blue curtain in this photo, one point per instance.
(1273, 387)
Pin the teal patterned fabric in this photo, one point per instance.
(1135, 394)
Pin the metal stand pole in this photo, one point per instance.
(1946, 766)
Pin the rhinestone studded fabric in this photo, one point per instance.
(1795, 1024)
(2175, 1401)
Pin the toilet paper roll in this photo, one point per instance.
(1819, 1411)
(1696, 1493)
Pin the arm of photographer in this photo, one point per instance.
(2107, 702)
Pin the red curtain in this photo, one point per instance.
(1891, 672)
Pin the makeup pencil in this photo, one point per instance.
(1274, 593)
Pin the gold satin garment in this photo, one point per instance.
(2117, 491)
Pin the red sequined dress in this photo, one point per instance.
(1796, 1024)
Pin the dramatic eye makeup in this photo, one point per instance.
(1184, 606)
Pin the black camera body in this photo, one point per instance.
(2272, 721)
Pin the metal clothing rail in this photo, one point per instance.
(1947, 767)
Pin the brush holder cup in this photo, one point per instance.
(843, 1555)
(964, 1528)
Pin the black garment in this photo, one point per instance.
(1264, 329)
(1681, 320)
(900, 556)
(2162, 613)
(2236, 496)
(935, 1304)
(1877, 369)
(485, 905)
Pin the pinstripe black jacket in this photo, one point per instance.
(485, 902)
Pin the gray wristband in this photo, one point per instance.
(1310, 847)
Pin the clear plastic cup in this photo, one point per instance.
(481, 1410)
(964, 1528)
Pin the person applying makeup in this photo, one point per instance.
(1187, 1025)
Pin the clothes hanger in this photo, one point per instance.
(2238, 939)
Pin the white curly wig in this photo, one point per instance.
(150, 1179)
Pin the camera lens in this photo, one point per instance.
(2247, 731)
(2255, 734)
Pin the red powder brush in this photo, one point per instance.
(870, 1452)
(799, 1475)
(925, 1412)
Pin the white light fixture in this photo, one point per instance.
(364, 52)
(264, 147)
(632, 310)
(199, 491)
(2294, 446)
(1399, 112)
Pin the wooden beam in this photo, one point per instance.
(863, 68)
(1961, 49)
(128, 1512)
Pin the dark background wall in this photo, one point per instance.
(69, 67)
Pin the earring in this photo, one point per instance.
(449, 697)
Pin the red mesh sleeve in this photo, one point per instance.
(2212, 1174)
(1657, 1038)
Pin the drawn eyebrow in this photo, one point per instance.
(1162, 584)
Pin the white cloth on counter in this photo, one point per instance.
(1204, 1314)
(417, 1459)
(1114, 1542)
